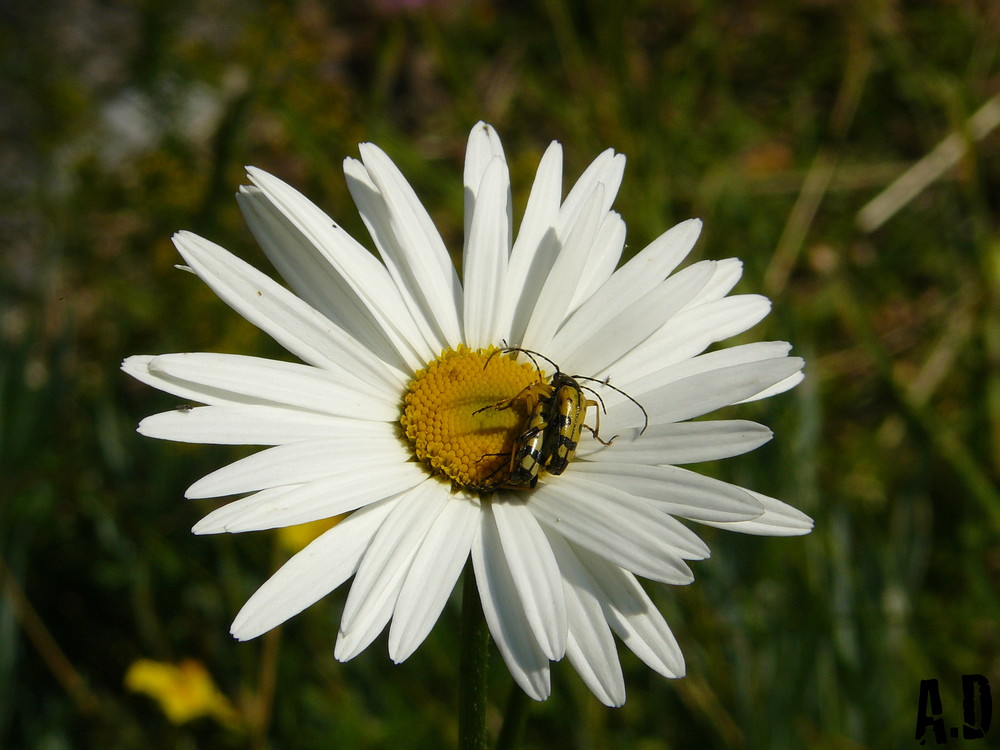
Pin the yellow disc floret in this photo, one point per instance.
(447, 419)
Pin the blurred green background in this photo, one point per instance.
(776, 122)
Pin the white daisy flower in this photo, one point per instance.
(405, 414)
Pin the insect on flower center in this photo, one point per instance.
(445, 420)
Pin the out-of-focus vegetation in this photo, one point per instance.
(776, 122)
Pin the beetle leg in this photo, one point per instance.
(529, 393)
(597, 437)
(593, 431)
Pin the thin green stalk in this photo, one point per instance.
(472, 734)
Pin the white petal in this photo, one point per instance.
(486, 256)
(757, 351)
(634, 280)
(250, 425)
(312, 573)
(297, 463)
(384, 567)
(422, 255)
(688, 333)
(335, 266)
(624, 529)
(484, 146)
(312, 278)
(778, 519)
(535, 248)
(727, 272)
(633, 616)
(375, 214)
(606, 170)
(680, 443)
(590, 646)
(322, 498)
(224, 374)
(305, 332)
(534, 571)
(502, 609)
(787, 384)
(226, 379)
(677, 491)
(138, 367)
(591, 343)
(602, 259)
(433, 573)
(560, 286)
(701, 393)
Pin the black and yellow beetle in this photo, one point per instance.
(556, 413)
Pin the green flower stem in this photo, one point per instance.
(472, 734)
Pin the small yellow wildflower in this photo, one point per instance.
(295, 538)
(185, 691)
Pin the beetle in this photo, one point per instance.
(526, 455)
(555, 422)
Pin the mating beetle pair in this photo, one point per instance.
(556, 413)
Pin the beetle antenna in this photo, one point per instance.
(596, 395)
(532, 354)
(605, 382)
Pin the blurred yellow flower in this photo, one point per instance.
(185, 691)
(295, 538)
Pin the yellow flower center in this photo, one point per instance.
(448, 419)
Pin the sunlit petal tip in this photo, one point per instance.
(136, 362)
(343, 651)
(208, 525)
(185, 237)
(254, 173)
(147, 426)
(778, 519)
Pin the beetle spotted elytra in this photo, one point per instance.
(526, 454)
(566, 423)
(556, 419)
